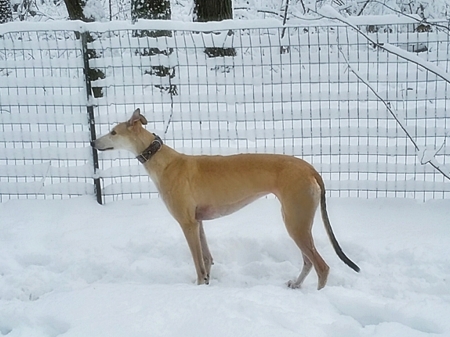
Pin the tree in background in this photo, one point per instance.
(151, 10)
(24, 9)
(75, 8)
(214, 10)
(427, 9)
(154, 10)
(5, 11)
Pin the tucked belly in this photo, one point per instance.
(209, 212)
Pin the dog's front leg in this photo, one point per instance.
(207, 257)
(191, 230)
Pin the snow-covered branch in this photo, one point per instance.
(330, 13)
(413, 17)
(424, 154)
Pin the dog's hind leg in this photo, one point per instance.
(298, 215)
(191, 231)
(306, 245)
(207, 257)
(307, 266)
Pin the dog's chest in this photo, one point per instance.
(209, 212)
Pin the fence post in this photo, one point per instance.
(90, 112)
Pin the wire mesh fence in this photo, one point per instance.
(278, 90)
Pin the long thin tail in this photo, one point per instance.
(326, 222)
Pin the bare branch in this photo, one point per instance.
(396, 51)
(363, 7)
(303, 5)
(285, 17)
(423, 21)
(388, 47)
(286, 7)
(402, 123)
(387, 104)
(265, 11)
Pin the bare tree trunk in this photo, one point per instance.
(5, 11)
(154, 10)
(75, 10)
(215, 10)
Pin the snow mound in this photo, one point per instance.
(75, 268)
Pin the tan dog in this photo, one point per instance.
(197, 188)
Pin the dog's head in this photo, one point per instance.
(124, 136)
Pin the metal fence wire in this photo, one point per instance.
(286, 90)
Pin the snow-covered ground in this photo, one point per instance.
(75, 268)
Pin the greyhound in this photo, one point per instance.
(198, 188)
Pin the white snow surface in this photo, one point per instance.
(75, 268)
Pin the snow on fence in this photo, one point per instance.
(287, 90)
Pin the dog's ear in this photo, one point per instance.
(137, 117)
(143, 120)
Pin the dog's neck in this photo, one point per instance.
(162, 157)
(160, 161)
(151, 150)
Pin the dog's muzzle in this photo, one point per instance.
(105, 149)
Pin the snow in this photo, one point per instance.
(438, 71)
(94, 10)
(100, 27)
(328, 13)
(75, 268)
(220, 108)
(182, 10)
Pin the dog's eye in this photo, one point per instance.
(113, 132)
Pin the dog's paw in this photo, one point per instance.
(293, 284)
(204, 280)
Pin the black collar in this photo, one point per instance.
(148, 153)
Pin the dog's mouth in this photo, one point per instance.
(101, 149)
